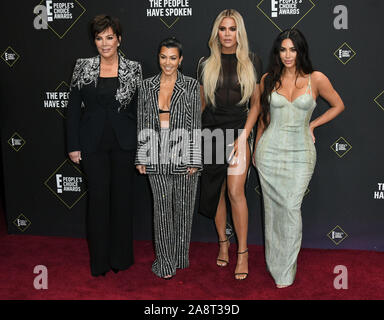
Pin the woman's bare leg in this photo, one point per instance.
(236, 193)
(221, 222)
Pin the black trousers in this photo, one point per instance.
(110, 172)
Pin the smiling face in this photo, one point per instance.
(169, 60)
(288, 53)
(107, 43)
(228, 35)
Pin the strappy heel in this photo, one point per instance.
(242, 273)
(222, 260)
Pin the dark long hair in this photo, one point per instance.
(275, 68)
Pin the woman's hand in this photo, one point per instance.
(191, 171)
(234, 155)
(75, 156)
(311, 128)
(141, 168)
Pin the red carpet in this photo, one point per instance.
(69, 277)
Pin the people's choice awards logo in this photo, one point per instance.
(285, 14)
(10, 56)
(169, 11)
(58, 16)
(57, 99)
(22, 222)
(16, 142)
(337, 235)
(67, 184)
(344, 53)
(341, 147)
(379, 100)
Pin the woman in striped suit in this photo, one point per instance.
(168, 150)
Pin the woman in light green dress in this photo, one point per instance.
(285, 155)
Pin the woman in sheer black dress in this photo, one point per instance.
(229, 80)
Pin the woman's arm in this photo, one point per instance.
(255, 107)
(254, 111)
(73, 117)
(253, 114)
(260, 123)
(195, 156)
(324, 88)
(202, 98)
(200, 80)
(140, 126)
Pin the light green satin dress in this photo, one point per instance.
(285, 159)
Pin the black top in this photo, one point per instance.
(228, 92)
(228, 113)
(106, 91)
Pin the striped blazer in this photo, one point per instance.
(184, 126)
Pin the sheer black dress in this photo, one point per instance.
(227, 114)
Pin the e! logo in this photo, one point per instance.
(59, 183)
(274, 4)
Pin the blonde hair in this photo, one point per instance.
(211, 73)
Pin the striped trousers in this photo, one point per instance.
(174, 201)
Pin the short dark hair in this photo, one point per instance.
(102, 22)
(171, 43)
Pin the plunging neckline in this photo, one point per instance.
(291, 102)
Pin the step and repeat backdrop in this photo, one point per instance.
(46, 194)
